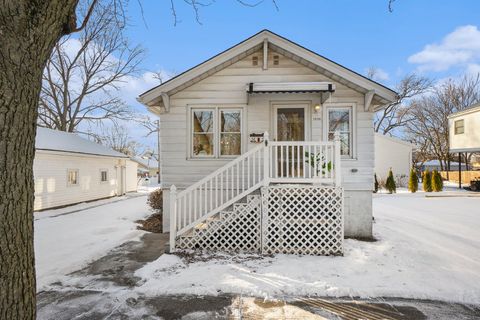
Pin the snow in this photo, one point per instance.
(147, 163)
(68, 239)
(427, 248)
(54, 140)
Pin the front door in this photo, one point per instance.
(290, 125)
(290, 122)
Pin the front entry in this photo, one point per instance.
(290, 125)
(290, 122)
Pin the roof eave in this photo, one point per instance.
(381, 91)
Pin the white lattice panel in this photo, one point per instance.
(302, 220)
(238, 230)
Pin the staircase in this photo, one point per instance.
(236, 229)
(204, 214)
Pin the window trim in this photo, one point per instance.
(351, 107)
(455, 128)
(191, 134)
(216, 130)
(77, 178)
(101, 171)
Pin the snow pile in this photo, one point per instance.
(428, 248)
(68, 242)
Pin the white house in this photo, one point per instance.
(69, 169)
(464, 131)
(229, 186)
(435, 165)
(392, 153)
(146, 166)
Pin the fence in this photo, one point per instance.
(467, 176)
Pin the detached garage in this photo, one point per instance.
(69, 169)
(392, 153)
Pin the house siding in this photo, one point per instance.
(50, 176)
(227, 88)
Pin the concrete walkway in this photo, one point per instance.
(103, 290)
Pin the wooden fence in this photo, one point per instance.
(467, 176)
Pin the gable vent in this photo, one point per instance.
(276, 60)
(254, 61)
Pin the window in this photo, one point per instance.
(203, 133)
(459, 126)
(216, 132)
(230, 132)
(103, 175)
(72, 176)
(340, 120)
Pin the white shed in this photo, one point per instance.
(392, 153)
(69, 169)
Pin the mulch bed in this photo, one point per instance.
(152, 224)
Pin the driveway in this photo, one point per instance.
(104, 290)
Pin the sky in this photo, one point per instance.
(438, 39)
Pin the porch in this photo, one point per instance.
(279, 197)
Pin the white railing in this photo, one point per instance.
(271, 162)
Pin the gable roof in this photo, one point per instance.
(331, 69)
(54, 140)
(395, 140)
(473, 108)
(151, 164)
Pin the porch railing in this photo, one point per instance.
(317, 162)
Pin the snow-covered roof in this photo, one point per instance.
(437, 163)
(151, 164)
(396, 140)
(54, 140)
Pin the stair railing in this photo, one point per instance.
(270, 162)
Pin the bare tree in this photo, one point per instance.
(82, 77)
(118, 138)
(29, 32)
(396, 115)
(428, 127)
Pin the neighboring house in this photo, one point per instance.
(392, 153)
(435, 165)
(464, 130)
(228, 186)
(146, 166)
(69, 169)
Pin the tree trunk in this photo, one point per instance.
(28, 30)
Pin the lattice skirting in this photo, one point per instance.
(302, 220)
(292, 219)
(237, 230)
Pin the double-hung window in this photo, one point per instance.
(103, 175)
(216, 132)
(72, 177)
(459, 126)
(340, 120)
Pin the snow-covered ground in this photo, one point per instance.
(427, 248)
(68, 239)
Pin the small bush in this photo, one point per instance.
(401, 180)
(427, 181)
(437, 183)
(155, 200)
(413, 181)
(390, 184)
(376, 184)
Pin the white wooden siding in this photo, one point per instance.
(228, 87)
(50, 176)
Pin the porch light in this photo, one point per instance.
(317, 108)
